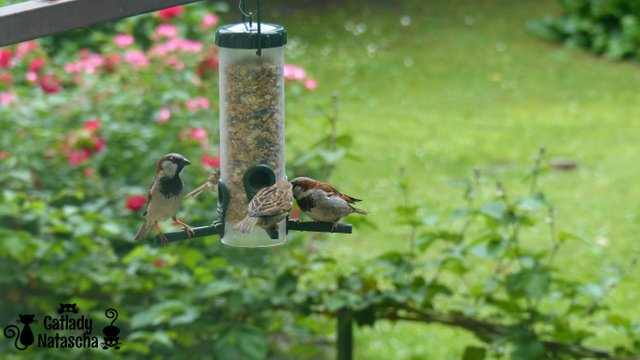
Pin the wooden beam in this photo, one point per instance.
(33, 19)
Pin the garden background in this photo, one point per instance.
(478, 244)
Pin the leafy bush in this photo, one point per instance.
(81, 132)
(607, 27)
(79, 139)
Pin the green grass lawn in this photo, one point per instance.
(440, 87)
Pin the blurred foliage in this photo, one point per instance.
(80, 128)
(607, 27)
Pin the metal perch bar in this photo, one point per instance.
(33, 19)
(201, 231)
(318, 227)
(291, 226)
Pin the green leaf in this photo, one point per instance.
(619, 321)
(157, 314)
(335, 302)
(332, 157)
(494, 210)
(366, 316)
(217, 288)
(474, 353)
(565, 236)
(527, 349)
(191, 257)
(189, 315)
(532, 204)
(344, 141)
(13, 245)
(533, 283)
(110, 228)
(240, 342)
(161, 337)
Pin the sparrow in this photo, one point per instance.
(322, 202)
(211, 184)
(165, 196)
(268, 207)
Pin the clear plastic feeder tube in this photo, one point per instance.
(251, 122)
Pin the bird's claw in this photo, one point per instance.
(189, 231)
(163, 239)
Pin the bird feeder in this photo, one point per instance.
(251, 56)
(251, 80)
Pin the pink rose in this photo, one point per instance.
(123, 40)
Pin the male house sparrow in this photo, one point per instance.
(322, 202)
(211, 184)
(165, 195)
(268, 207)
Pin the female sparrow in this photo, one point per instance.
(165, 195)
(268, 207)
(322, 202)
(211, 184)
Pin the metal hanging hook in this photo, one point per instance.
(244, 13)
(249, 15)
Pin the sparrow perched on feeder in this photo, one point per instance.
(268, 207)
(322, 202)
(211, 184)
(165, 195)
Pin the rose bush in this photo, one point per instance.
(83, 123)
(82, 128)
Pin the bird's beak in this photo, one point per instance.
(185, 162)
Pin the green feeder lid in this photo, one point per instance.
(244, 36)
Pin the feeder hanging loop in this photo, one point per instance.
(243, 11)
(249, 15)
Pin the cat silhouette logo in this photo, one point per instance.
(111, 332)
(72, 308)
(24, 337)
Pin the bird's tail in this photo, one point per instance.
(246, 224)
(359, 211)
(197, 190)
(144, 231)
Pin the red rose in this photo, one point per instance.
(49, 84)
(207, 67)
(77, 157)
(136, 202)
(169, 13)
(111, 61)
(5, 78)
(98, 144)
(5, 58)
(92, 124)
(36, 64)
(159, 263)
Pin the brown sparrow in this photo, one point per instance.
(211, 184)
(322, 202)
(268, 207)
(165, 195)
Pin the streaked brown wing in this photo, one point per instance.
(270, 201)
(151, 190)
(349, 199)
(330, 190)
